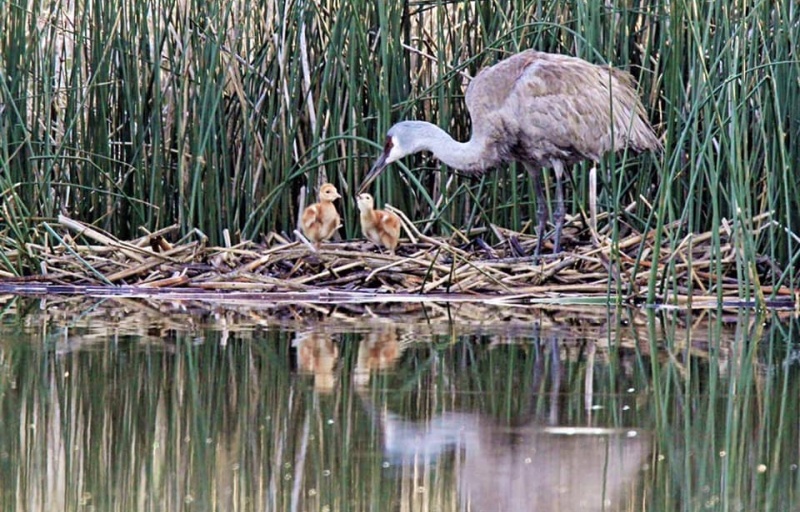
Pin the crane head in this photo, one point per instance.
(404, 138)
(380, 164)
(328, 193)
(365, 202)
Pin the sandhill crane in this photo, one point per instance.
(380, 227)
(321, 220)
(541, 109)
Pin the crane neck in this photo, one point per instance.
(471, 157)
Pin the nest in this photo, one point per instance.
(595, 271)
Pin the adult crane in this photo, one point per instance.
(541, 109)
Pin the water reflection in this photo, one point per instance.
(522, 467)
(378, 350)
(317, 355)
(526, 468)
(130, 405)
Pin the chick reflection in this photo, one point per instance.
(377, 351)
(533, 464)
(317, 354)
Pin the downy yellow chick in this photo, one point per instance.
(379, 227)
(321, 220)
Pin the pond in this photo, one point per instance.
(136, 404)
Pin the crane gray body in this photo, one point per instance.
(541, 109)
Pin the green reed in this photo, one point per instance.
(220, 117)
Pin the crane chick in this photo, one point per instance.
(379, 226)
(321, 220)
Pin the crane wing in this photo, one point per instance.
(545, 106)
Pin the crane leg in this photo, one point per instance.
(541, 206)
(560, 212)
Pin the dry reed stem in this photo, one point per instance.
(128, 250)
(168, 282)
(408, 226)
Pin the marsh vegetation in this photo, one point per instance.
(228, 116)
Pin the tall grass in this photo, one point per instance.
(221, 116)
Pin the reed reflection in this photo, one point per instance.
(173, 414)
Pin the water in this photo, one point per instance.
(138, 405)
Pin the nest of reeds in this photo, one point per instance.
(81, 255)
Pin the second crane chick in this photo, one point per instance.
(379, 226)
(321, 220)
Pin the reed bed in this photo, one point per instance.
(226, 117)
(80, 256)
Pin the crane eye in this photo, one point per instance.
(388, 144)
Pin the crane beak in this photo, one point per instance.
(377, 168)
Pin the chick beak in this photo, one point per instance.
(377, 169)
